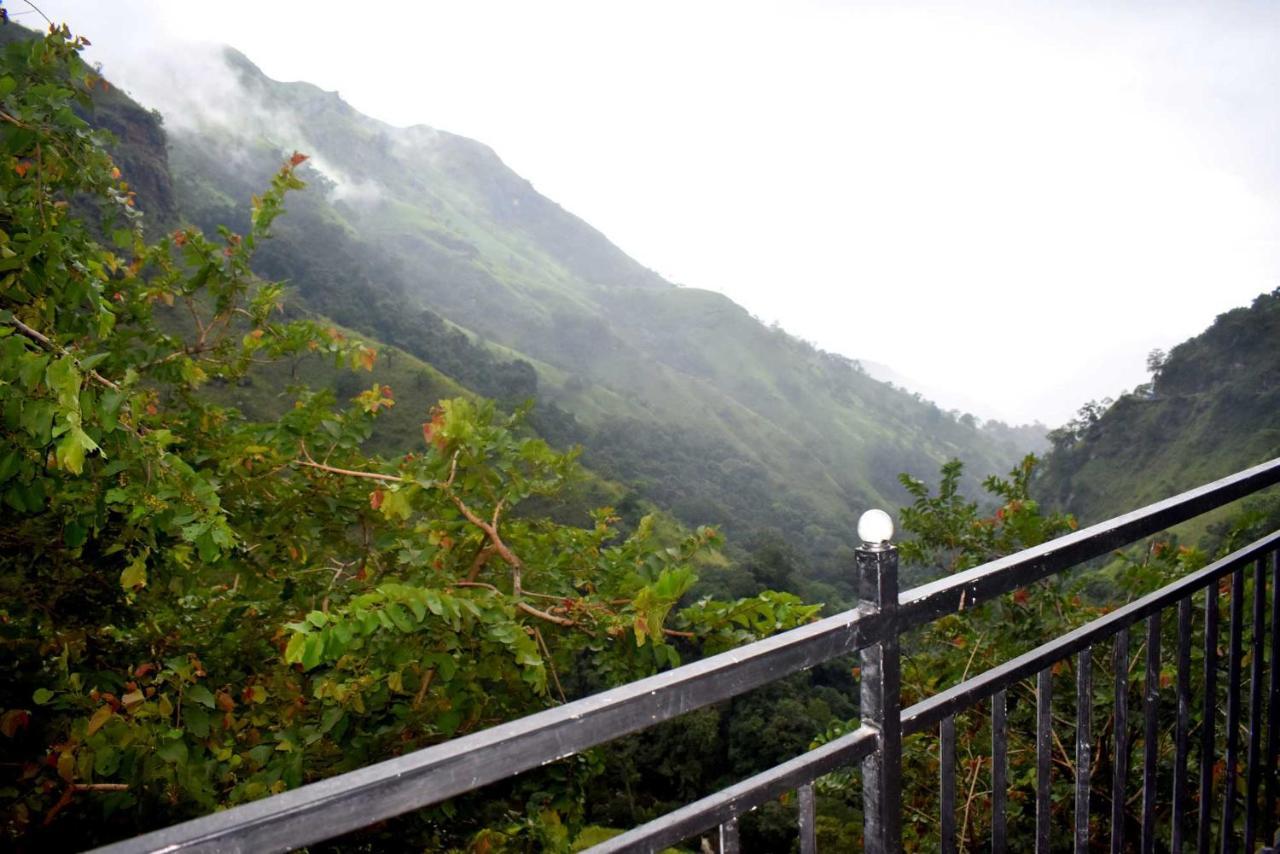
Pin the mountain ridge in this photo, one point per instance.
(427, 241)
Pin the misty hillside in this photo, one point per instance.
(1210, 410)
(416, 235)
(427, 241)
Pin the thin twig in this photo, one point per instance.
(422, 689)
(543, 615)
(38, 12)
(551, 665)
(309, 462)
(968, 802)
(976, 645)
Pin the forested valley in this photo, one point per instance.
(324, 441)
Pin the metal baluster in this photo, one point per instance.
(1273, 699)
(1255, 707)
(1184, 723)
(1233, 712)
(947, 782)
(1084, 746)
(1120, 759)
(881, 706)
(1044, 756)
(808, 833)
(999, 769)
(729, 837)
(1150, 734)
(1207, 758)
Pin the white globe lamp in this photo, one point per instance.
(875, 528)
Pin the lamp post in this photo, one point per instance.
(881, 702)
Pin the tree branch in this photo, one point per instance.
(371, 475)
(543, 615)
(44, 341)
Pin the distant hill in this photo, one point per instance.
(427, 241)
(1212, 408)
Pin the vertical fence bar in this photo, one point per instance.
(1150, 734)
(881, 706)
(1255, 706)
(1210, 710)
(1120, 759)
(1233, 712)
(1180, 745)
(808, 832)
(947, 782)
(729, 837)
(1084, 746)
(999, 770)
(1044, 756)
(1273, 701)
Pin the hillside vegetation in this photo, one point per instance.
(1211, 409)
(428, 241)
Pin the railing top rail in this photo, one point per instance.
(982, 583)
(929, 711)
(358, 798)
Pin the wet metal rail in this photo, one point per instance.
(366, 796)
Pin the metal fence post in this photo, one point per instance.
(881, 707)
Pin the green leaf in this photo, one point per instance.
(312, 651)
(293, 649)
(63, 378)
(395, 504)
(41, 696)
(400, 618)
(135, 574)
(173, 751)
(201, 695)
(72, 448)
(196, 720)
(106, 761)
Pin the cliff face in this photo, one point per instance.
(141, 153)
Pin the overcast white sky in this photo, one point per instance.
(1010, 203)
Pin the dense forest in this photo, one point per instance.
(288, 493)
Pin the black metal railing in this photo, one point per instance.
(363, 797)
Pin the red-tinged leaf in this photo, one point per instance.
(14, 720)
(225, 701)
(298, 158)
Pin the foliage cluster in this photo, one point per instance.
(200, 609)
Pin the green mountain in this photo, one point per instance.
(1211, 409)
(428, 241)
